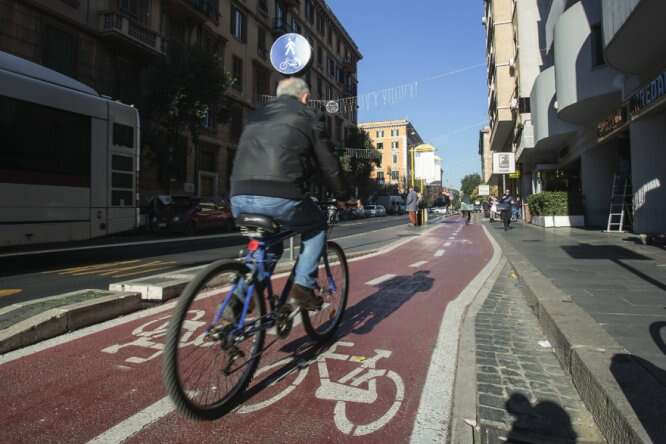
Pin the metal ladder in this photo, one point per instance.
(618, 204)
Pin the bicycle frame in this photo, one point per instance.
(261, 263)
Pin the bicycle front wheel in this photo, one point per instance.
(207, 367)
(333, 283)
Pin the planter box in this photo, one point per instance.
(558, 221)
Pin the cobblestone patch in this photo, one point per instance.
(522, 390)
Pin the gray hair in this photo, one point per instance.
(293, 86)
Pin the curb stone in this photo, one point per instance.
(67, 318)
(586, 353)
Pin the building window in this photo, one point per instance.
(139, 10)
(263, 6)
(380, 175)
(380, 146)
(295, 26)
(380, 133)
(321, 23)
(331, 66)
(394, 175)
(279, 14)
(262, 50)
(309, 11)
(395, 132)
(237, 66)
(597, 46)
(395, 159)
(320, 87)
(330, 34)
(238, 24)
(60, 51)
(320, 57)
(394, 145)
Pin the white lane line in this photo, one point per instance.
(452, 237)
(432, 417)
(418, 264)
(380, 279)
(447, 243)
(439, 253)
(135, 423)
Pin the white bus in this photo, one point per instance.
(69, 158)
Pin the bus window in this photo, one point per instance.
(123, 135)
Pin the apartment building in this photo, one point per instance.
(110, 44)
(500, 52)
(588, 107)
(394, 139)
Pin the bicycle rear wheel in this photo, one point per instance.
(333, 282)
(205, 374)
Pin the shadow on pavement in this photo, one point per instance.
(643, 391)
(544, 422)
(614, 254)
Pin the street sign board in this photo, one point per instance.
(484, 190)
(290, 53)
(504, 163)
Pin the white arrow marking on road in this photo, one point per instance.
(380, 279)
(439, 253)
(418, 264)
(135, 423)
(447, 243)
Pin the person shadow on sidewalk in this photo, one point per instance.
(644, 385)
(544, 422)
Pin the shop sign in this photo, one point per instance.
(504, 163)
(648, 96)
(484, 190)
(514, 175)
(613, 123)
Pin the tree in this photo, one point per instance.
(470, 184)
(358, 166)
(183, 90)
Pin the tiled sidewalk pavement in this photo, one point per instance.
(523, 394)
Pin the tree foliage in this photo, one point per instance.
(470, 184)
(357, 168)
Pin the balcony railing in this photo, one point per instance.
(117, 24)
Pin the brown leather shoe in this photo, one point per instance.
(305, 298)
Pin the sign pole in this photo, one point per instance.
(503, 183)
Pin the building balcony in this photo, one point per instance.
(281, 26)
(550, 132)
(118, 26)
(198, 10)
(291, 3)
(349, 64)
(587, 89)
(634, 35)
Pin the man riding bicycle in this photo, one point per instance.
(282, 147)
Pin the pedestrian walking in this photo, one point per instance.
(466, 207)
(412, 206)
(506, 207)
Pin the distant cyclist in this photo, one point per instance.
(283, 146)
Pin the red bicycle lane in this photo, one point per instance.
(367, 386)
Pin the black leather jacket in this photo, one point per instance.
(283, 146)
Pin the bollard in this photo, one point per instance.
(291, 248)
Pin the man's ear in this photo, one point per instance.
(304, 98)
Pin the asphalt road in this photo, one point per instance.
(387, 377)
(32, 275)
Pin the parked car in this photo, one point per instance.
(185, 214)
(371, 211)
(381, 211)
(359, 213)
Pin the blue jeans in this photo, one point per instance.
(300, 216)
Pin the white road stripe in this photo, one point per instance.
(452, 238)
(432, 417)
(439, 253)
(418, 264)
(380, 279)
(447, 243)
(135, 423)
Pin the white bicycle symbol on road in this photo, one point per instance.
(346, 390)
(350, 388)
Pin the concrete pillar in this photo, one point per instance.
(598, 165)
(648, 167)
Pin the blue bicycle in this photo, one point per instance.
(209, 362)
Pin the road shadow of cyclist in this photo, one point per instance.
(361, 318)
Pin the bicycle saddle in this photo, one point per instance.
(257, 223)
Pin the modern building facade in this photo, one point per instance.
(110, 45)
(587, 105)
(394, 139)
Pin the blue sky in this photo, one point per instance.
(405, 41)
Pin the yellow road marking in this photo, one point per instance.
(135, 267)
(9, 291)
(168, 265)
(95, 267)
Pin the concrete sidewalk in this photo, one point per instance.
(601, 300)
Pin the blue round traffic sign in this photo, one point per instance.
(290, 53)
